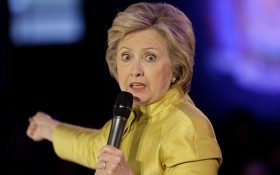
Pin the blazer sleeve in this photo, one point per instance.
(190, 147)
(78, 144)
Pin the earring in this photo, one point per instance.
(173, 80)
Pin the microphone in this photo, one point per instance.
(121, 111)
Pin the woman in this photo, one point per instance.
(151, 55)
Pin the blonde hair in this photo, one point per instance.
(171, 23)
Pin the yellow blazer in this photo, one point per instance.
(169, 137)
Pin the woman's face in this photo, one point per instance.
(144, 67)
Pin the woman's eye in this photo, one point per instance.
(125, 57)
(151, 58)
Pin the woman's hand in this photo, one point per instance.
(111, 161)
(41, 127)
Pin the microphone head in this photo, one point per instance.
(123, 104)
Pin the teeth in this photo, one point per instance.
(137, 85)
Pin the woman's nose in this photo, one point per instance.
(137, 69)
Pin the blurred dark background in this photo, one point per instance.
(52, 58)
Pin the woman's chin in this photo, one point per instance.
(136, 101)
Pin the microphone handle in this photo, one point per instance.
(116, 131)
